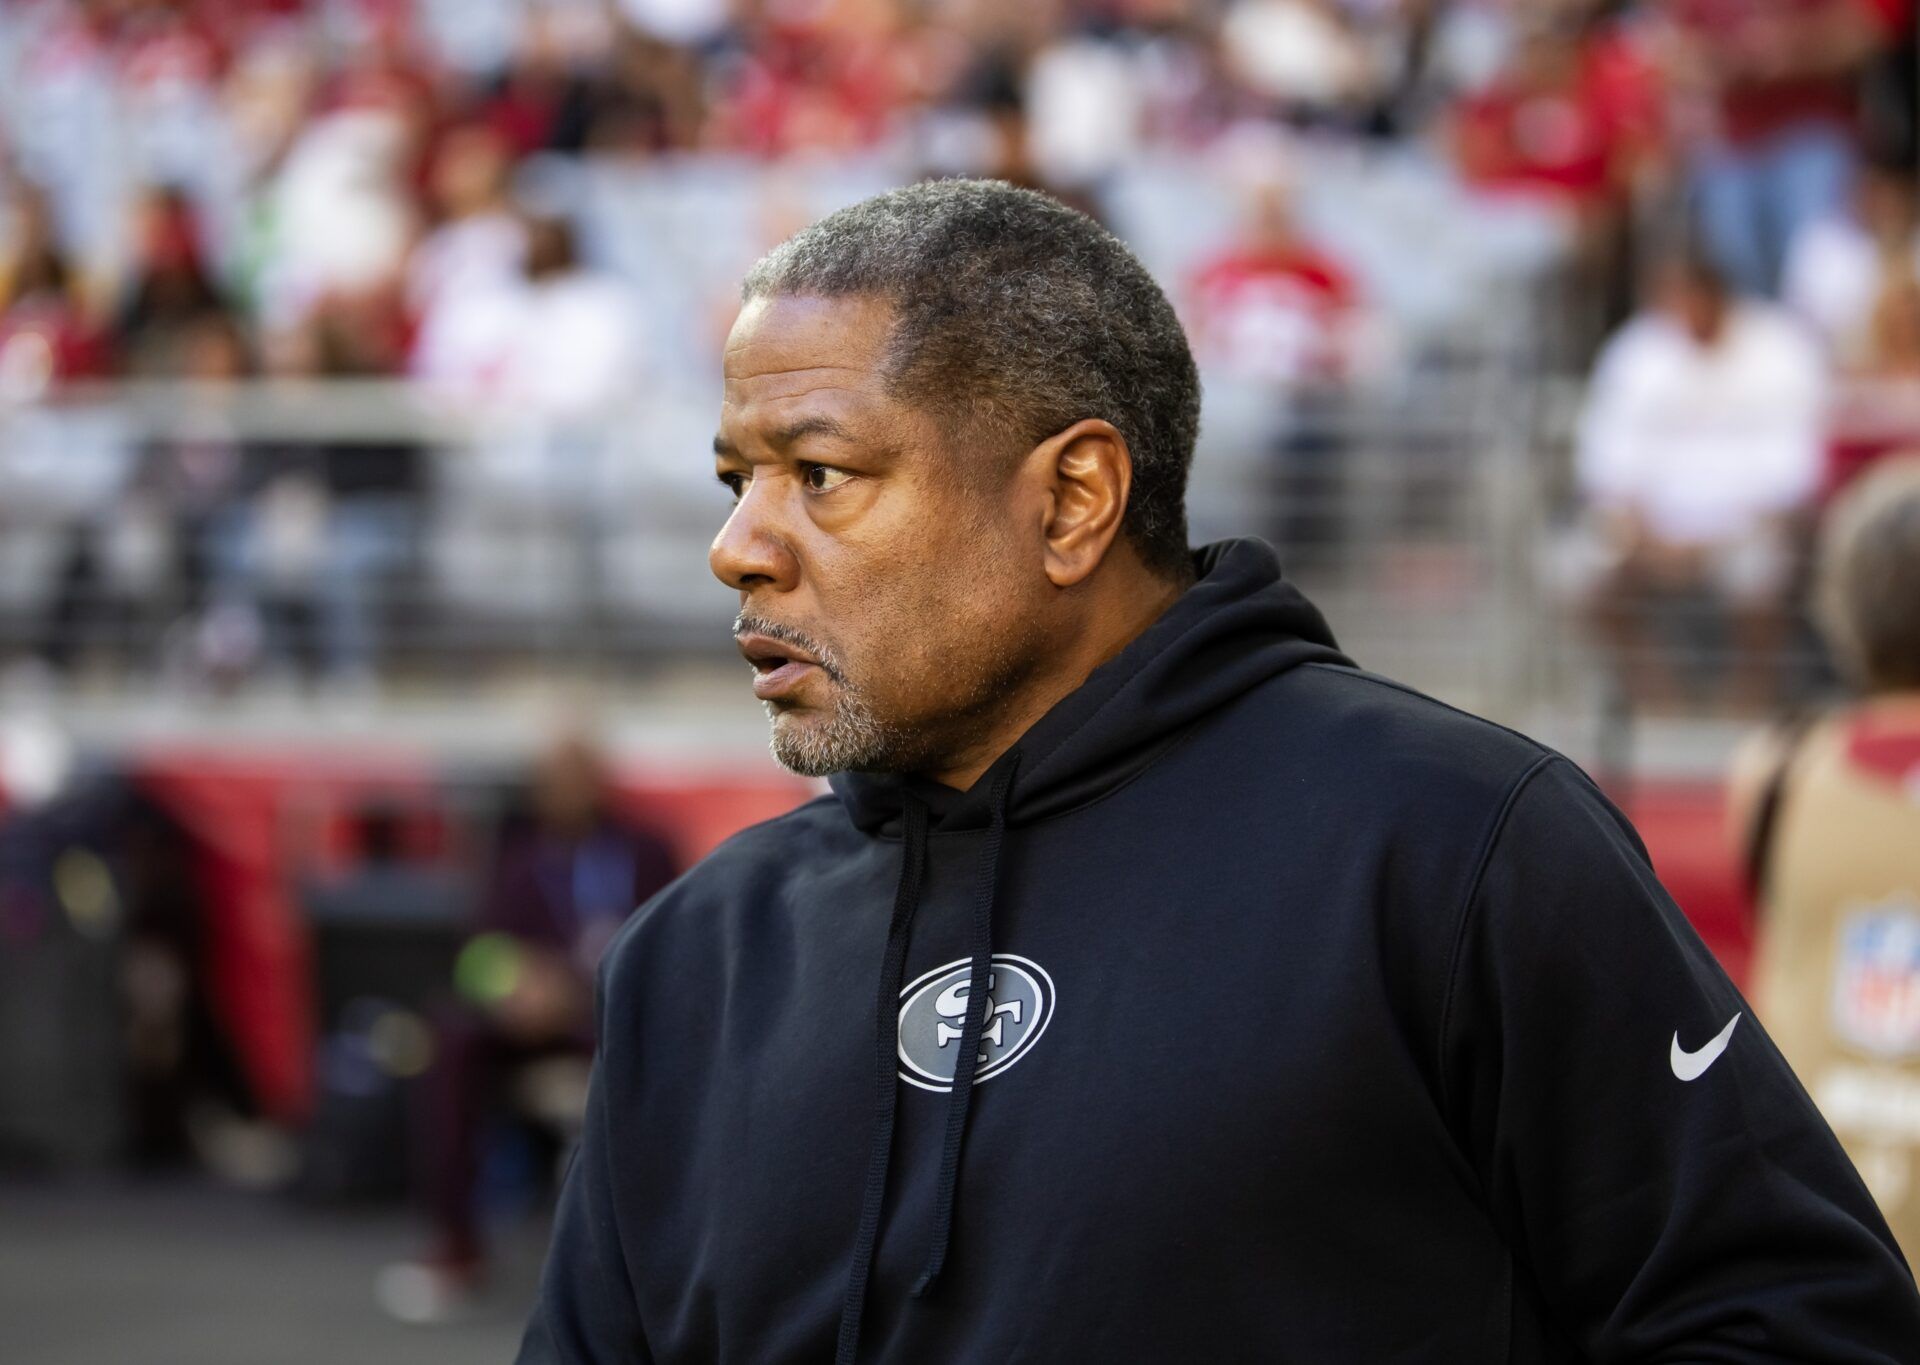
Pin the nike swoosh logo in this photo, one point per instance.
(1691, 1066)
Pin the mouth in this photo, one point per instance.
(778, 667)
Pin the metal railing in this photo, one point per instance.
(212, 536)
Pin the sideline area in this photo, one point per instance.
(183, 1272)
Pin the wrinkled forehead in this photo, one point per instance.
(785, 348)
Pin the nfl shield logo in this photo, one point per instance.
(1876, 982)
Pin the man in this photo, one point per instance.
(1779, 84)
(1154, 985)
(1700, 446)
(565, 876)
(1281, 315)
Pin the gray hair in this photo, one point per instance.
(1018, 313)
(1868, 588)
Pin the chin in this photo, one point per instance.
(817, 743)
(797, 744)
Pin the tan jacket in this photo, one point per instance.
(1837, 971)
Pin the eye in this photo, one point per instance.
(734, 481)
(820, 478)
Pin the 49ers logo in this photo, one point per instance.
(933, 1012)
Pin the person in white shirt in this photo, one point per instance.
(1701, 440)
(556, 340)
(481, 241)
(1840, 269)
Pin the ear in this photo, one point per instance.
(1089, 472)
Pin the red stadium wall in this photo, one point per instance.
(236, 807)
(1683, 825)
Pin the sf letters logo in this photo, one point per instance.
(951, 1003)
(933, 1013)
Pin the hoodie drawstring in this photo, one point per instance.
(893, 970)
(968, 1061)
(887, 1033)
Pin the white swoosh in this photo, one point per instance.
(1691, 1066)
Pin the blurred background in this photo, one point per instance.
(360, 668)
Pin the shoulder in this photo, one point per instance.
(1405, 782)
(1828, 242)
(1388, 735)
(1640, 342)
(1769, 330)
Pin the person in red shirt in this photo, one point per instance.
(1777, 81)
(1277, 311)
(1545, 127)
(1274, 306)
(1569, 124)
(46, 335)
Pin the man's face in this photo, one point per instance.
(891, 585)
(1696, 304)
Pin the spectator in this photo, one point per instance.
(1841, 269)
(1569, 119)
(1302, 58)
(144, 561)
(196, 478)
(333, 522)
(562, 884)
(268, 97)
(577, 347)
(340, 214)
(1083, 108)
(560, 340)
(1277, 311)
(688, 23)
(1701, 441)
(480, 242)
(826, 79)
(1893, 339)
(1570, 125)
(46, 337)
(172, 294)
(1275, 306)
(1779, 153)
(647, 98)
(1548, 126)
(523, 108)
(1826, 811)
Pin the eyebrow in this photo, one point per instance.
(793, 431)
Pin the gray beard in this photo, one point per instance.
(852, 739)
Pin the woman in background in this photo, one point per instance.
(1829, 813)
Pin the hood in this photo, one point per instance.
(1236, 627)
(1240, 624)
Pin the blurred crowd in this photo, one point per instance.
(355, 186)
(1334, 191)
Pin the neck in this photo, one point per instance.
(1125, 610)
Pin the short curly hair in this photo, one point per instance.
(1868, 576)
(1017, 316)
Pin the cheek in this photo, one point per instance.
(921, 594)
(930, 628)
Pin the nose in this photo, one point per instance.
(750, 551)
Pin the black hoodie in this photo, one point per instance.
(1324, 1024)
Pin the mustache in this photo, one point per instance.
(748, 624)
